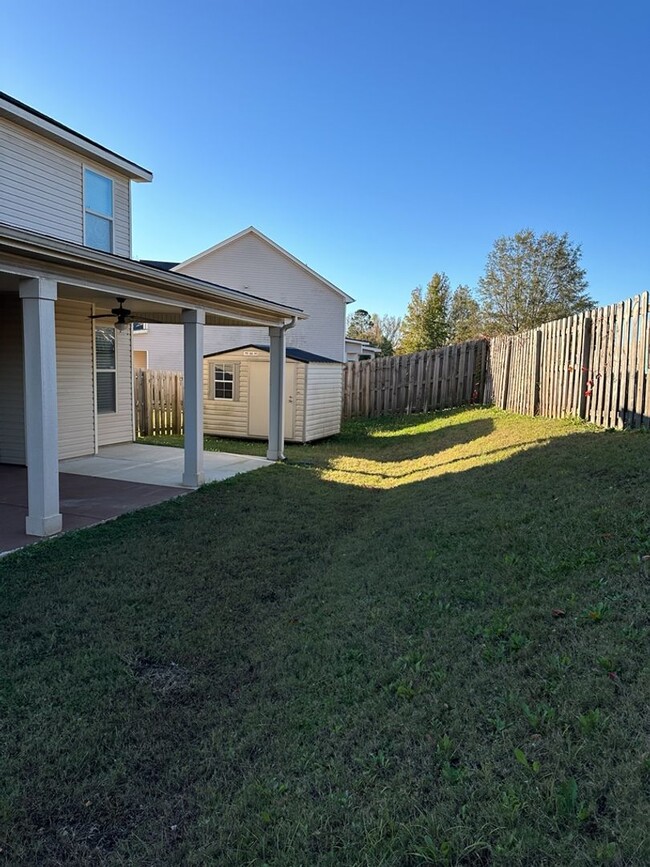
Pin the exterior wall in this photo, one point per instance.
(41, 188)
(117, 427)
(226, 417)
(75, 379)
(12, 434)
(251, 265)
(324, 396)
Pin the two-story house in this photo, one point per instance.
(69, 291)
(252, 262)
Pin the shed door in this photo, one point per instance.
(258, 399)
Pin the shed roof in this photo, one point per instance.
(291, 352)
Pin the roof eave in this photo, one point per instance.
(17, 242)
(28, 118)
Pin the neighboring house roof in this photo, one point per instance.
(26, 116)
(361, 344)
(162, 266)
(251, 230)
(98, 266)
(291, 352)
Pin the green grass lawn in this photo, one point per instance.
(422, 642)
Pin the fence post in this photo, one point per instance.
(584, 366)
(537, 371)
(506, 375)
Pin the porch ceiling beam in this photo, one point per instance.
(117, 286)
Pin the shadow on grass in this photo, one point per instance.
(370, 676)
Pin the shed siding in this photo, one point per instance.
(324, 396)
(226, 417)
(251, 265)
(41, 188)
(75, 380)
(118, 427)
(12, 436)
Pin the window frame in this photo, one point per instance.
(233, 382)
(85, 210)
(113, 370)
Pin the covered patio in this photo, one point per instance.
(97, 488)
(50, 294)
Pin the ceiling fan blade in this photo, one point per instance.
(102, 316)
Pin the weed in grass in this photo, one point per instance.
(590, 721)
(539, 717)
(534, 767)
(597, 613)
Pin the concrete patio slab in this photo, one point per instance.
(156, 465)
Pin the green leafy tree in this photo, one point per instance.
(426, 324)
(530, 279)
(360, 326)
(465, 321)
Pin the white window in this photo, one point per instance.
(105, 369)
(98, 211)
(224, 381)
(140, 326)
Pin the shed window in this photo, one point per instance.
(98, 211)
(224, 381)
(105, 369)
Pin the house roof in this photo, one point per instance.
(251, 230)
(26, 116)
(291, 352)
(122, 275)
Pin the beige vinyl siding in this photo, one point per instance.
(75, 379)
(226, 417)
(41, 188)
(324, 395)
(12, 436)
(117, 427)
(317, 399)
(251, 265)
(299, 403)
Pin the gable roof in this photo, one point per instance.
(251, 230)
(24, 115)
(291, 352)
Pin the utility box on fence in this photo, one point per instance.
(236, 394)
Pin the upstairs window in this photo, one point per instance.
(98, 211)
(106, 369)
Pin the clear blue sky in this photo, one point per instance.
(377, 141)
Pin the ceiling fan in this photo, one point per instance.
(123, 317)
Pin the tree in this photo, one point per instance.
(360, 325)
(386, 332)
(532, 279)
(464, 316)
(426, 324)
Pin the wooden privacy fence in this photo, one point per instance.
(158, 402)
(435, 379)
(592, 366)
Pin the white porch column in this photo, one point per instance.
(41, 413)
(193, 323)
(278, 340)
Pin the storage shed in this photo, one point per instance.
(236, 394)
